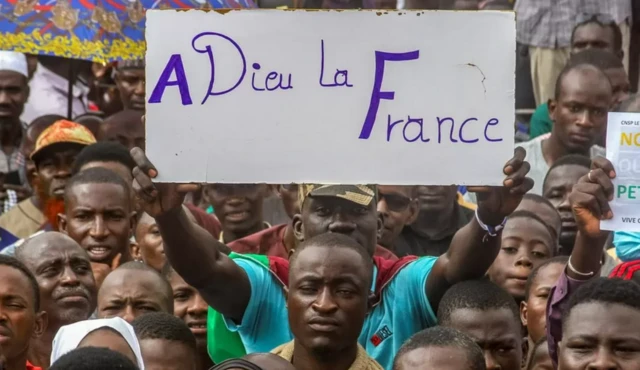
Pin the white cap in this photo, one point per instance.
(13, 61)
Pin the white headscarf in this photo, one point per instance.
(69, 336)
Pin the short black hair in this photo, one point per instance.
(441, 336)
(532, 216)
(96, 175)
(46, 121)
(103, 151)
(139, 266)
(595, 19)
(575, 66)
(163, 325)
(567, 160)
(561, 260)
(93, 358)
(539, 199)
(604, 290)
(480, 294)
(16, 264)
(336, 240)
(542, 341)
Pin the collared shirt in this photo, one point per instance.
(23, 220)
(49, 96)
(549, 23)
(412, 242)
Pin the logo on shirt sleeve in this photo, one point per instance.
(381, 335)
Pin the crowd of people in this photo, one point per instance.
(101, 267)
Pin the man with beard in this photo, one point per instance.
(130, 79)
(55, 150)
(67, 287)
(126, 128)
(14, 91)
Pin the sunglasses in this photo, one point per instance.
(395, 202)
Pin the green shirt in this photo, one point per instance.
(540, 121)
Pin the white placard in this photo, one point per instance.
(418, 97)
(623, 150)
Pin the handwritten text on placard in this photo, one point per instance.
(210, 68)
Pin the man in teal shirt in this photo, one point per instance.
(252, 298)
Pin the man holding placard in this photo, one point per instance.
(253, 300)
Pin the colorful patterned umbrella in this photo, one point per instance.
(97, 30)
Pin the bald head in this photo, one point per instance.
(125, 127)
(39, 246)
(583, 77)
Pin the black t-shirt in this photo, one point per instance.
(412, 242)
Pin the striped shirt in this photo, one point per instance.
(549, 23)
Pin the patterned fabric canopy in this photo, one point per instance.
(97, 30)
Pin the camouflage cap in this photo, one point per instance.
(359, 194)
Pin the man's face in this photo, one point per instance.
(14, 92)
(592, 36)
(130, 83)
(336, 215)
(150, 245)
(432, 357)
(19, 321)
(328, 298)
(398, 208)
(189, 306)
(127, 294)
(548, 214)
(437, 198)
(127, 130)
(99, 218)
(67, 287)
(534, 309)
(556, 189)
(496, 331)
(526, 243)
(163, 354)
(237, 206)
(54, 169)
(600, 336)
(619, 83)
(580, 112)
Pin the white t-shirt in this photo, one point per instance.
(539, 166)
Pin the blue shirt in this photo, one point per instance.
(403, 310)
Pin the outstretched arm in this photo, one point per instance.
(191, 250)
(473, 249)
